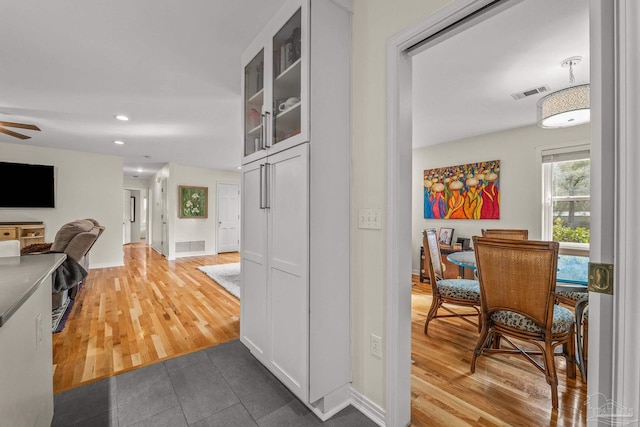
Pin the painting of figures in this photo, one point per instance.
(470, 191)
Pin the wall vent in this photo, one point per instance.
(529, 92)
(194, 246)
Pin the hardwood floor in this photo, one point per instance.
(153, 309)
(505, 390)
(148, 310)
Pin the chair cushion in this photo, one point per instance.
(572, 295)
(562, 320)
(460, 289)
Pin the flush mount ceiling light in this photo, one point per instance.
(121, 117)
(118, 142)
(566, 107)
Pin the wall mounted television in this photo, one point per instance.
(26, 186)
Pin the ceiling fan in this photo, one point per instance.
(4, 125)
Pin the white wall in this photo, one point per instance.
(195, 229)
(87, 186)
(520, 178)
(374, 21)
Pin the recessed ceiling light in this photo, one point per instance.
(139, 170)
(121, 117)
(118, 142)
(239, 167)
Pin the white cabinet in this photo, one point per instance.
(295, 302)
(275, 88)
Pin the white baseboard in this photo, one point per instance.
(372, 411)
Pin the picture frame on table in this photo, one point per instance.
(192, 202)
(445, 236)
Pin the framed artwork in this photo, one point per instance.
(192, 202)
(470, 191)
(445, 236)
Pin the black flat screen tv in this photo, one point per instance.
(26, 186)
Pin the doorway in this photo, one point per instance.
(228, 217)
(399, 233)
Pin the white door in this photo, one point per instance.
(253, 301)
(228, 217)
(126, 217)
(288, 297)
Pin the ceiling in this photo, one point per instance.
(174, 68)
(462, 87)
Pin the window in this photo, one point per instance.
(566, 213)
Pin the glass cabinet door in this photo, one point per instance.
(254, 104)
(286, 84)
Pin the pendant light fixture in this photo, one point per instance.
(566, 107)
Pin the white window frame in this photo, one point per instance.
(562, 154)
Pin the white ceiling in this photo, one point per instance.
(463, 86)
(69, 66)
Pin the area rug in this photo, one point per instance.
(226, 275)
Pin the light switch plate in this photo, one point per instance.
(370, 218)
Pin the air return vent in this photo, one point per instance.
(193, 246)
(529, 92)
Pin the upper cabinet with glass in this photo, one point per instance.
(276, 84)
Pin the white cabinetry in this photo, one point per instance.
(295, 304)
(275, 86)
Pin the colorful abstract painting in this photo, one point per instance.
(469, 191)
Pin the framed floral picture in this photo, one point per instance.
(192, 202)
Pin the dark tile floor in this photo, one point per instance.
(220, 386)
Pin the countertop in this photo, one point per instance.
(20, 277)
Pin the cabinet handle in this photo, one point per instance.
(269, 134)
(262, 206)
(267, 203)
(263, 132)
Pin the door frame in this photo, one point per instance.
(610, 29)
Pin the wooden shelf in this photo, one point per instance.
(27, 233)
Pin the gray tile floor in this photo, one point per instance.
(220, 386)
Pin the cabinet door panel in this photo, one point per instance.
(289, 331)
(253, 313)
(289, 267)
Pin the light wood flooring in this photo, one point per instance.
(505, 390)
(152, 309)
(148, 310)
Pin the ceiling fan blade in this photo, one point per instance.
(12, 133)
(19, 125)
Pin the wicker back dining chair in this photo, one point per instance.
(457, 292)
(506, 233)
(517, 294)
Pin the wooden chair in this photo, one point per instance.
(506, 233)
(458, 292)
(517, 290)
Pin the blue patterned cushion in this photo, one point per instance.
(460, 288)
(562, 320)
(572, 295)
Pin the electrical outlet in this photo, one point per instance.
(376, 346)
